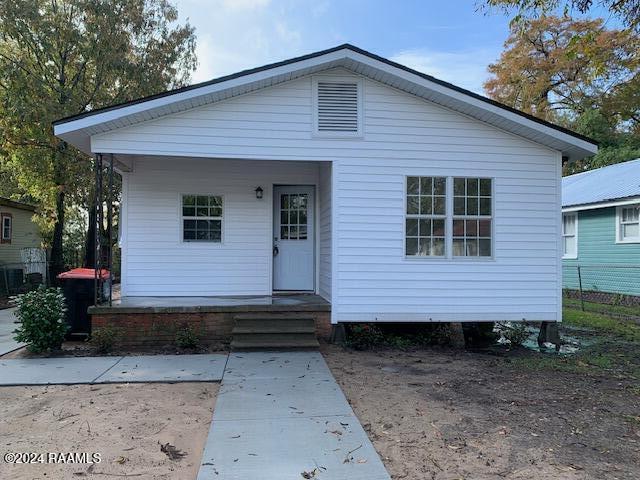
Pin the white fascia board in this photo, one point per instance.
(595, 206)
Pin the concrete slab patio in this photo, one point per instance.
(7, 326)
(95, 370)
(281, 414)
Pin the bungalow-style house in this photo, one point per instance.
(385, 194)
(19, 240)
(601, 231)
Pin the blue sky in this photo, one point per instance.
(451, 40)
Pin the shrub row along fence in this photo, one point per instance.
(609, 289)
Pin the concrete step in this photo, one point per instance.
(274, 340)
(269, 325)
(273, 328)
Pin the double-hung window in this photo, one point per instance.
(628, 224)
(569, 235)
(202, 218)
(472, 217)
(7, 227)
(449, 217)
(426, 216)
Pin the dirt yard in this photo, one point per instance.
(129, 425)
(445, 414)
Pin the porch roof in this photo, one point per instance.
(78, 129)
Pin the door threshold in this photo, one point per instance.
(293, 292)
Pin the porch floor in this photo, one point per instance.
(266, 303)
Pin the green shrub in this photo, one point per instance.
(104, 338)
(516, 333)
(187, 337)
(42, 319)
(364, 336)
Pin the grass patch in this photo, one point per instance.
(622, 310)
(601, 323)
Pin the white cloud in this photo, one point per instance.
(467, 69)
(235, 35)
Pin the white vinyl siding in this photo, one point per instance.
(372, 279)
(324, 224)
(570, 235)
(628, 224)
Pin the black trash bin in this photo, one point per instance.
(78, 288)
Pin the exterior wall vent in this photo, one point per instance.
(338, 107)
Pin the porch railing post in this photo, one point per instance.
(110, 228)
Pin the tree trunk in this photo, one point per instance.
(57, 257)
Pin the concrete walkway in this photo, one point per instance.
(7, 326)
(281, 415)
(91, 370)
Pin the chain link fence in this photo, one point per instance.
(613, 290)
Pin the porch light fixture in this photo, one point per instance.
(259, 193)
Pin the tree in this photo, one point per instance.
(627, 11)
(578, 74)
(64, 57)
(558, 68)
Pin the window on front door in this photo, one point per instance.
(293, 216)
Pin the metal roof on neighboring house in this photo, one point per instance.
(602, 185)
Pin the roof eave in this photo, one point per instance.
(575, 146)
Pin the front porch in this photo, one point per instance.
(277, 320)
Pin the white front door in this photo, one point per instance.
(293, 234)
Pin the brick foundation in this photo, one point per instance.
(141, 330)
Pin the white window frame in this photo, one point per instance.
(565, 235)
(183, 218)
(314, 106)
(6, 238)
(620, 224)
(449, 217)
(431, 217)
(474, 217)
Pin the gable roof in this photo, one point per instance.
(78, 129)
(6, 202)
(602, 185)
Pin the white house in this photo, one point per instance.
(393, 195)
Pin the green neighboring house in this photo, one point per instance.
(601, 229)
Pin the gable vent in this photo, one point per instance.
(337, 107)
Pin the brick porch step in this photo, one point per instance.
(273, 331)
